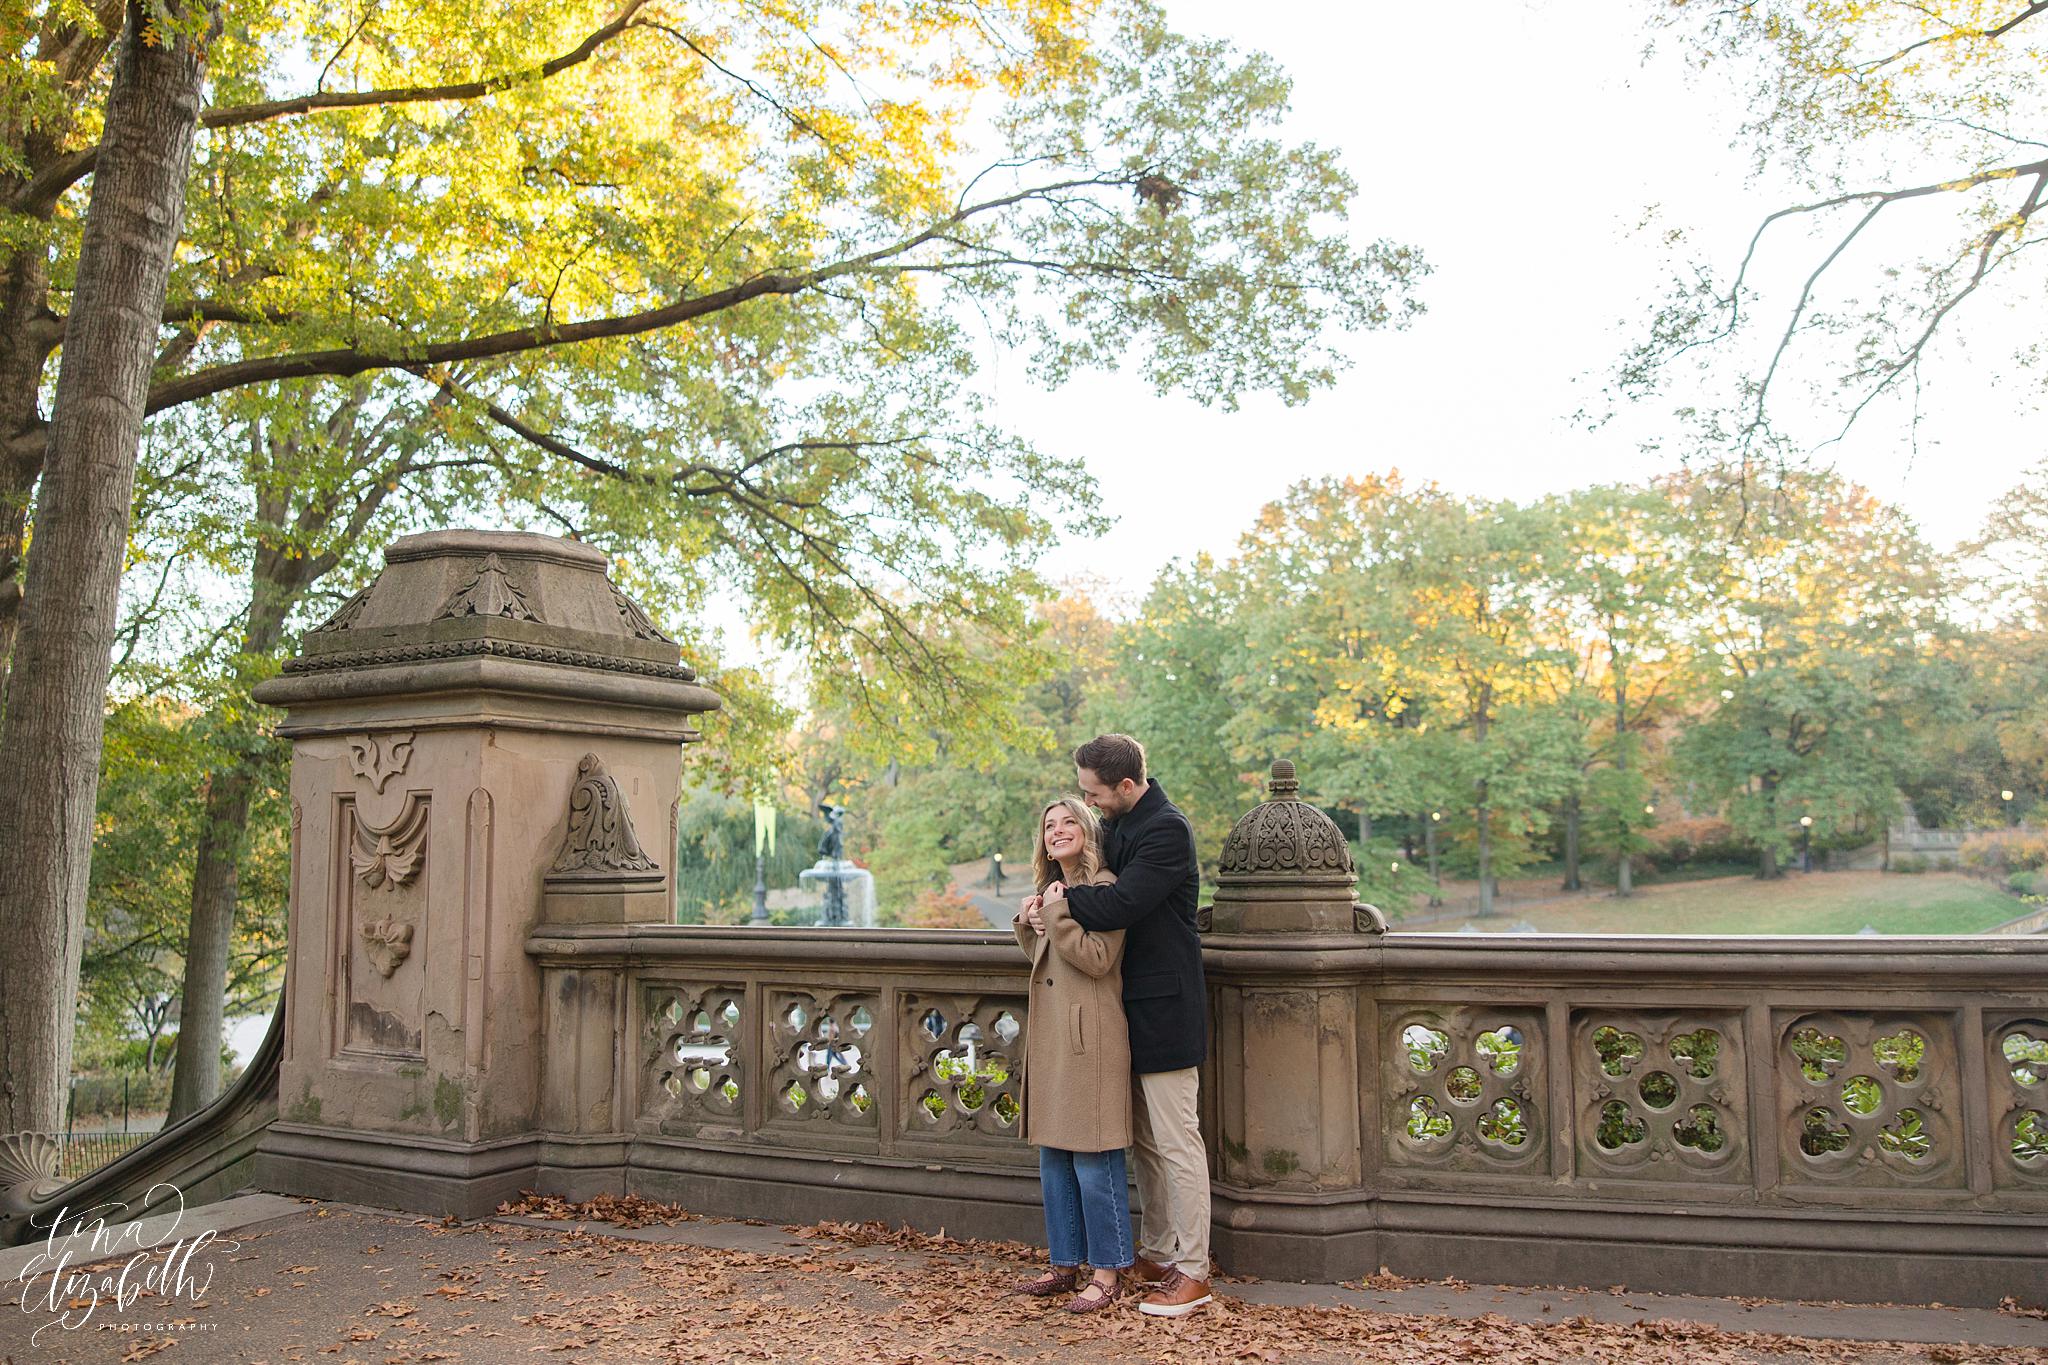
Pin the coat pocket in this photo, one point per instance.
(1156, 987)
(1077, 1042)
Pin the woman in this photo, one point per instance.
(1076, 1083)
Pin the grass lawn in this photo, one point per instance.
(1798, 903)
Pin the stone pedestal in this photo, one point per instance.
(1284, 947)
(474, 736)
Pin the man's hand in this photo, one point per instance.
(1028, 912)
(1057, 891)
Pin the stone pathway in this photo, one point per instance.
(317, 1283)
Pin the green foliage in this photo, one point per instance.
(715, 854)
(1174, 683)
(1817, 604)
(158, 753)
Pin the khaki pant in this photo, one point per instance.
(1173, 1170)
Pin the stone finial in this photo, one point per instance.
(1283, 786)
(1286, 868)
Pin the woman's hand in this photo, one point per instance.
(1027, 910)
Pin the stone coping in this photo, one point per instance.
(524, 544)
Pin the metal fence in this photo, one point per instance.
(87, 1152)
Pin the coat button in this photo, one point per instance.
(1048, 981)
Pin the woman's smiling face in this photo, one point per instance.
(1064, 835)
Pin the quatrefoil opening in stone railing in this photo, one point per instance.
(1660, 1096)
(693, 1062)
(1872, 1100)
(1463, 1081)
(2020, 1056)
(823, 1045)
(964, 1066)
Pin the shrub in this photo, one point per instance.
(1999, 852)
(1909, 863)
(946, 909)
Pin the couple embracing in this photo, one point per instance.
(1119, 1028)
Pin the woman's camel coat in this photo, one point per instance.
(1076, 1088)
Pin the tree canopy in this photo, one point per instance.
(1912, 133)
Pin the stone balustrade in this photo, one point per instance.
(1839, 1117)
(486, 759)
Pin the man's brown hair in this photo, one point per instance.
(1112, 758)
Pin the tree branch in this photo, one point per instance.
(353, 361)
(42, 191)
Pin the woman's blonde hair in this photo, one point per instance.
(1044, 868)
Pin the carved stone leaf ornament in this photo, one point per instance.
(634, 617)
(600, 837)
(389, 856)
(379, 758)
(345, 616)
(28, 1168)
(488, 591)
(388, 941)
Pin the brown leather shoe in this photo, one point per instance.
(1054, 1281)
(1148, 1272)
(1177, 1295)
(1095, 1296)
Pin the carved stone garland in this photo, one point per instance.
(389, 856)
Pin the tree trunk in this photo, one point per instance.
(24, 351)
(74, 48)
(1571, 844)
(1485, 855)
(216, 874)
(1767, 857)
(1624, 869)
(52, 728)
(215, 894)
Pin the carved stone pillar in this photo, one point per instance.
(1285, 945)
(472, 735)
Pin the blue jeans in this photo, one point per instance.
(1087, 1208)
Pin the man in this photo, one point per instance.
(1151, 847)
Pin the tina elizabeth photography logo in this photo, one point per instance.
(93, 1269)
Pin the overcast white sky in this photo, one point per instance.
(1519, 145)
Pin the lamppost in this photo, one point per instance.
(1806, 843)
(764, 836)
(1436, 880)
(995, 872)
(2006, 797)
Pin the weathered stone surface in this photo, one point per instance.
(470, 734)
(1286, 869)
